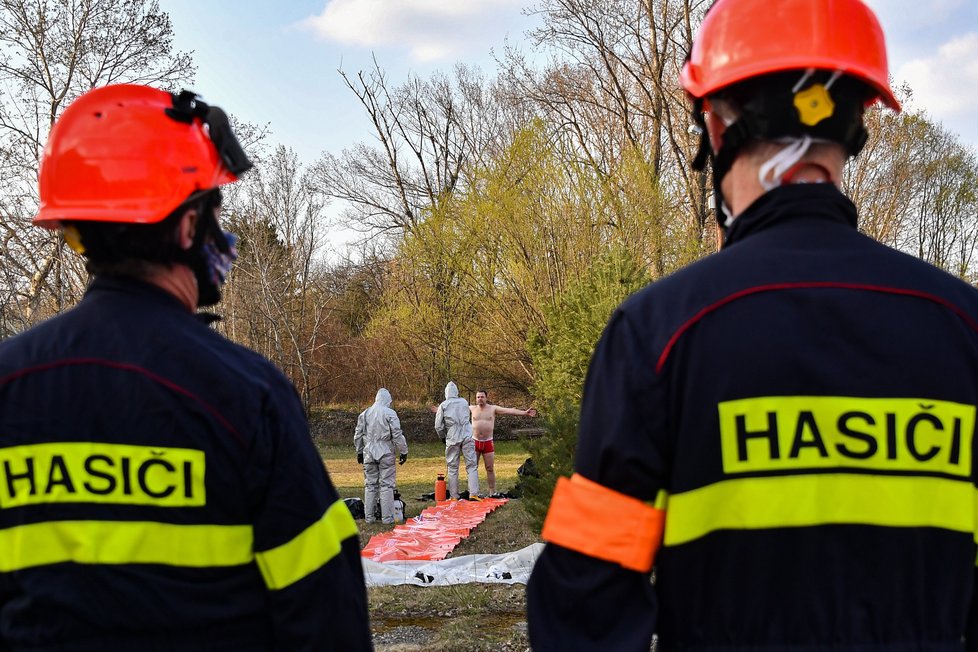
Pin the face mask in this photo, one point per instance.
(215, 267)
(219, 262)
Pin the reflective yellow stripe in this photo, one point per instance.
(820, 499)
(124, 542)
(310, 550)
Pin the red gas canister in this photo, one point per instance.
(440, 491)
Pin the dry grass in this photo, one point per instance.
(469, 617)
(466, 618)
(451, 618)
(425, 462)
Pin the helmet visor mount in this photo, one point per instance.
(187, 106)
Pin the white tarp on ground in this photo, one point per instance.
(507, 568)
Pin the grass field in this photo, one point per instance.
(468, 617)
(425, 461)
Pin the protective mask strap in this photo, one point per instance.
(736, 135)
(771, 173)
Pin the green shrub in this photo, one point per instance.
(561, 357)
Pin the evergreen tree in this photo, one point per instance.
(560, 359)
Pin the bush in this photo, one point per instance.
(560, 358)
(553, 457)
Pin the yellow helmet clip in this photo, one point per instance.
(73, 239)
(814, 104)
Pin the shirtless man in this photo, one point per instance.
(483, 421)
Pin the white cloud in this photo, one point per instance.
(945, 84)
(933, 47)
(429, 29)
(901, 14)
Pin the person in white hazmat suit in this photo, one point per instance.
(455, 429)
(377, 436)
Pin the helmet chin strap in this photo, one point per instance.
(720, 162)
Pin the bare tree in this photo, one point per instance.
(612, 88)
(276, 300)
(945, 204)
(879, 180)
(429, 135)
(914, 188)
(51, 51)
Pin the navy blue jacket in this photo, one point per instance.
(159, 490)
(802, 404)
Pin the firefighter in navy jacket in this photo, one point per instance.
(158, 486)
(786, 428)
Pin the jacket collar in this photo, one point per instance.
(134, 289)
(821, 201)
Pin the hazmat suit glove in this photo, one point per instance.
(443, 441)
(403, 458)
(359, 458)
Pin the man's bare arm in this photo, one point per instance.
(531, 412)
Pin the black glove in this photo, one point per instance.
(403, 458)
(359, 458)
(443, 441)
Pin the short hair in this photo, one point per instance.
(478, 391)
(124, 249)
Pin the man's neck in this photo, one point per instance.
(178, 280)
(741, 187)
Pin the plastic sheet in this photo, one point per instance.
(506, 568)
(431, 535)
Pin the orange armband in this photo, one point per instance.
(594, 520)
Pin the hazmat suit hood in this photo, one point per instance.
(383, 397)
(378, 432)
(451, 390)
(453, 423)
(452, 419)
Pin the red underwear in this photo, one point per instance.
(484, 446)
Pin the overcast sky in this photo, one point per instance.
(276, 62)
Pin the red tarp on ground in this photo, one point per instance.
(433, 534)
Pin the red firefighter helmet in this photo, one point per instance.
(132, 154)
(742, 39)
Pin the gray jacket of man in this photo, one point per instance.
(452, 421)
(378, 430)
